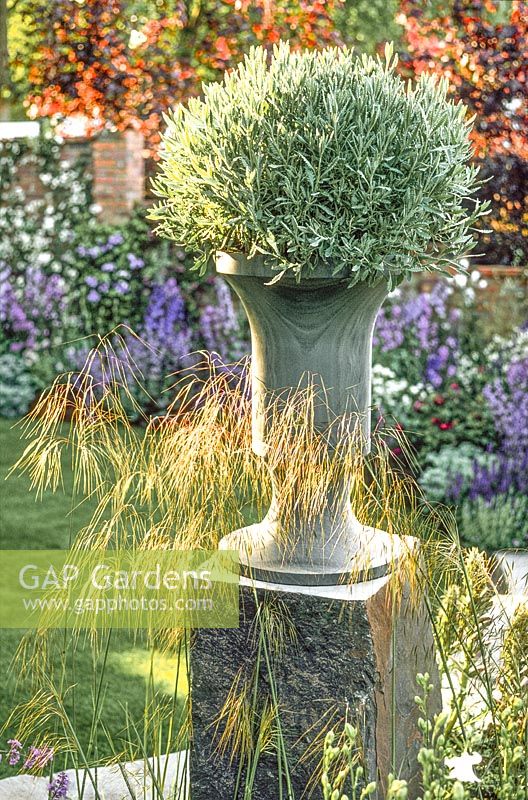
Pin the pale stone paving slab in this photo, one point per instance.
(111, 785)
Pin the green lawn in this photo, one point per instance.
(129, 671)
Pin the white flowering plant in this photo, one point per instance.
(483, 641)
(477, 746)
(37, 231)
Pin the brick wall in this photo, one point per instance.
(118, 169)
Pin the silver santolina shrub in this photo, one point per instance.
(320, 157)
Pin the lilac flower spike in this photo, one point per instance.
(58, 788)
(38, 757)
(14, 751)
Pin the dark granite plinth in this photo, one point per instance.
(333, 660)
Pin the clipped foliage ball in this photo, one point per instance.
(314, 157)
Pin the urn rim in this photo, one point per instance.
(261, 266)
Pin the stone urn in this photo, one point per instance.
(319, 330)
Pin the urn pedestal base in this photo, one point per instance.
(367, 554)
(344, 652)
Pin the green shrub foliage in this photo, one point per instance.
(321, 157)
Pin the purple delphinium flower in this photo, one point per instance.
(58, 788)
(507, 399)
(425, 326)
(91, 281)
(388, 334)
(93, 296)
(164, 343)
(438, 366)
(503, 475)
(165, 340)
(32, 312)
(108, 266)
(14, 754)
(166, 308)
(165, 330)
(220, 327)
(454, 491)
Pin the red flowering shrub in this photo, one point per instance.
(93, 62)
(483, 49)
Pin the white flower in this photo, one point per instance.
(461, 767)
(469, 296)
(380, 371)
(482, 284)
(475, 275)
(137, 38)
(460, 280)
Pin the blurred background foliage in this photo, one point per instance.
(121, 64)
(448, 359)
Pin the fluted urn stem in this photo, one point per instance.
(315, 334)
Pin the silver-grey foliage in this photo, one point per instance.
(321, 156)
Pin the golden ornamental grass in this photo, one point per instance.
(184, 479)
